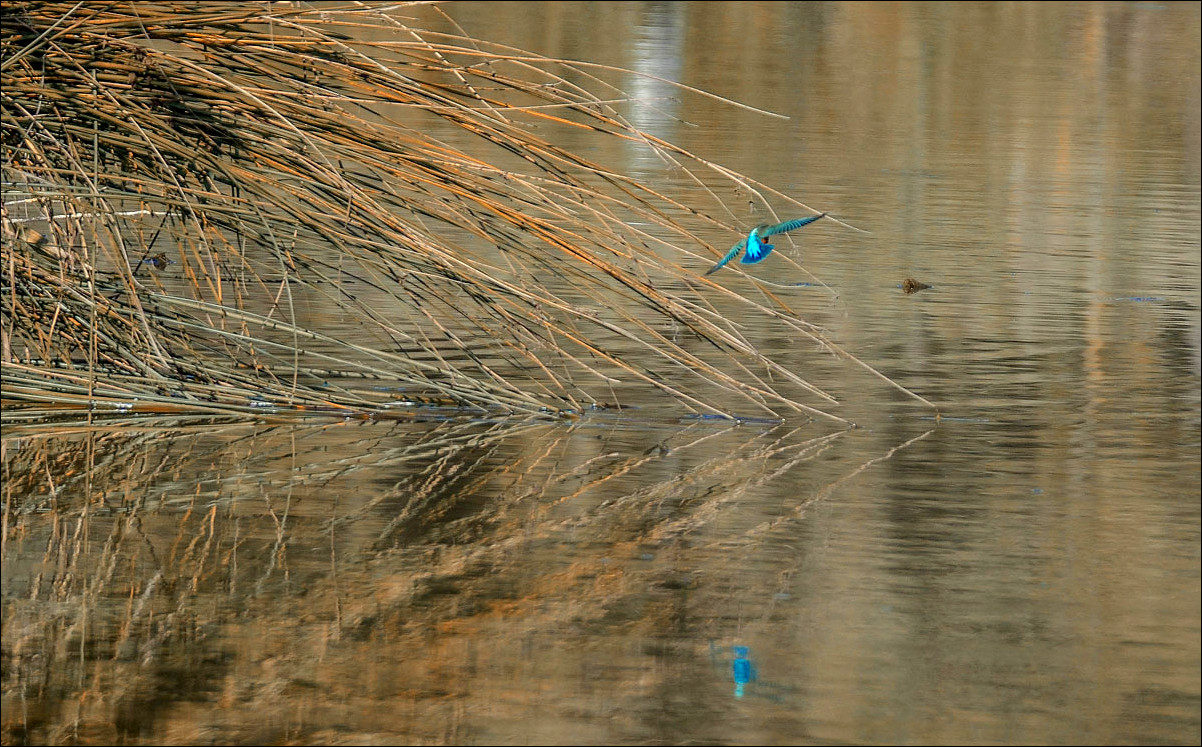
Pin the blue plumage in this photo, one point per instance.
(756, 246)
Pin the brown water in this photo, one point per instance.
(1024, 570)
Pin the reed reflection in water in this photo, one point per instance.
(342, 570)
(475, 582)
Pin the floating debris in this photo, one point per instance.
(158, 261)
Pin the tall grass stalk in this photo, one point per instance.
(245, 206)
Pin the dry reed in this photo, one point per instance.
(241, 208)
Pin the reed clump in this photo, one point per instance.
(241, 207)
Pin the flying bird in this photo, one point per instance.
(756, 244)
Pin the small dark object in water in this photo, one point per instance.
(158, 261)
(910, 285)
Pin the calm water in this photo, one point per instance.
(1024, 570)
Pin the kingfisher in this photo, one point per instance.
(756, 242)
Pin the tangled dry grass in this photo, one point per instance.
(242, 207)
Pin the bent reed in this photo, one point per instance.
(244, 207)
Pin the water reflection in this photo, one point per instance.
(744, 670)
(259, 567)
(658, 43)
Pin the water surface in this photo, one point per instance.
(1022, 568)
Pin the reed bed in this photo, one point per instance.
(244, 208)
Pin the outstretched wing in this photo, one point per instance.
(734, 250)
(789, 225)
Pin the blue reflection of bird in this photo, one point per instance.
(744, 670)
(756, 242)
